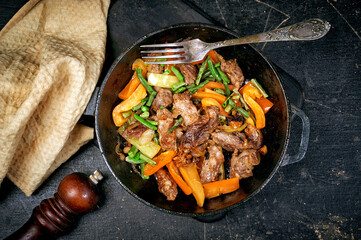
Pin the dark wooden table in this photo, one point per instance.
(317, 198)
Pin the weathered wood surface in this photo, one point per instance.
(317, 198)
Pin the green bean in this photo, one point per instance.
(243, 103)
(151, 98)
(144, 122)
(180, 90)
(190, 86)
(210, 78)
(161, 59)
(156, 140)
(134, 160)
(220, 91)
(145, 177)
(147, 159)
(175, 125)
(178, 85)
(226, 102)
(144, 82)
(201, 70)
(166, 72)
(217, 64)
(133, 151)
(127, 114)
(228, 108)
(153, 122)
(177, 74)
(145, 99)
(161, 107)
(230, 102)
(206, 74)
(144, 109)
(199, 86)
(144, 115)
(243, 112)
(137, 107)
(260, 88)
(223, 76)
(214, 71)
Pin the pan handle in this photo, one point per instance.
(304, 138)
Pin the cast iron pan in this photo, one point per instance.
(276, 133)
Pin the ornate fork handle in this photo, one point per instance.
(311, 29)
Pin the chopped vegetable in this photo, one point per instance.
(176, 124)
(263, 150)
(151, 99)
(133, 100)
(178, 85)
(260, 88)
(166, 72)
(149, 149)
(214, 71)
(142, 165)
(118, 118)
(142, 80)
(199, 94)
(243, 112)
(177, 74)
(249, 94)
(191, 177)
(201, 70)
(130, 87)
(213, 85)
(161, 161)
(215, 189)
(265, 104)
(180, 90)
(161, 80)
(199, 86)
(173, 170)
(147, 159)
(144, 122)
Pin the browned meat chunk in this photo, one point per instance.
(210, 166)
(254, 135)
(163, 99)
(166, 184)
(243, 164)
(167, 140)
(184, 106)
(230, 142)
(199, 132)
(155, 68)
(189, 71)
(134, 131)
(233, 71)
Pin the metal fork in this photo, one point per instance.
(195, 50)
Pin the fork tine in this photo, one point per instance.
(168, 62)
(163, 45)
(174, 50)
(168, 56)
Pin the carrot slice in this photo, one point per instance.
(215, 189)
(130, 87)
(134, 81)
(220, 98)
(172, 168)
(256, 109)
(118, 118)
(134, 99)
(191, 176)
(161, 161)
(213, 85)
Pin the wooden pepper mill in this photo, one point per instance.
(77, 194)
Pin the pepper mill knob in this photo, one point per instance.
(77, 194)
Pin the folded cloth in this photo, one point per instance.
(51, 55)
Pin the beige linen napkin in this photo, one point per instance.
(51, 55)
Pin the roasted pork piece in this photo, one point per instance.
(243, 164)
(166, 184)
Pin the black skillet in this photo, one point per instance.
(276, 134)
